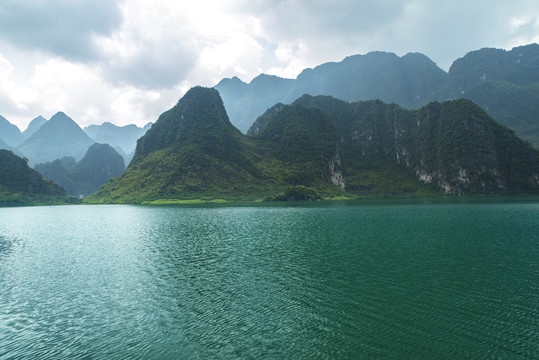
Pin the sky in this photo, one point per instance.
(128, 61)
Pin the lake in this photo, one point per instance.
(422, 278)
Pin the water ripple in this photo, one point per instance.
(406, 281)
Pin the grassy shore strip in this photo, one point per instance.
(185, 201)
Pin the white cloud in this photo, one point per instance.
(525, 29)
(6, 69)
(239, 55)
(291, 58)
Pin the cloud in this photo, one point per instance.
(339, 19)
(127, 61)
(9, 94)
(317, 31)
(154, 48)
(64, 28)
(153, 66)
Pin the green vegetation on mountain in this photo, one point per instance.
(193, 152)
(454, 146)
(97, 167)
(505, 84)
(21, 185)
(58, 137)
(9, 133)
(321, 147)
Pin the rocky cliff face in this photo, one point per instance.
(453, 145)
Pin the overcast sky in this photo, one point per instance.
(127, 61)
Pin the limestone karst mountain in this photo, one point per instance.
(322, 147)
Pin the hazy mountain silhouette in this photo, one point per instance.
(34, 125)
(124, 137)
(58, 137)
(503, 83)
(10, 133)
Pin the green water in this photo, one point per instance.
(374, 279)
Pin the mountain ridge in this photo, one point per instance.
(60, 136)
(320, 147)
(124, 137)
(504, 83)
(33, 126)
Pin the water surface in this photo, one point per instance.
(372, 279)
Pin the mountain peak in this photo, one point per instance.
(60, 115)
(233, 81)
(33, 126)
(199, 115)
(202, 104)
(58, 137)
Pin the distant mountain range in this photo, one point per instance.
(504, 83)
(124, 137)
(34, 126)
(58, 137)
(321, 147)
(63, 137)
(97, 167)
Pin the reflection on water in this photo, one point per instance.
(371, 280)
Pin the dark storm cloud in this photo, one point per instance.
(64, 28)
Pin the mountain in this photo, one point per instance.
(321, 147)
(504, 83)
(406, 80)
(191, 149)
(34, 125)
(21, 185)
(5, 146)
(124, 137)
(10, 133)
(58, 137)
(60, 172)
(97, 167)
(453, 145)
